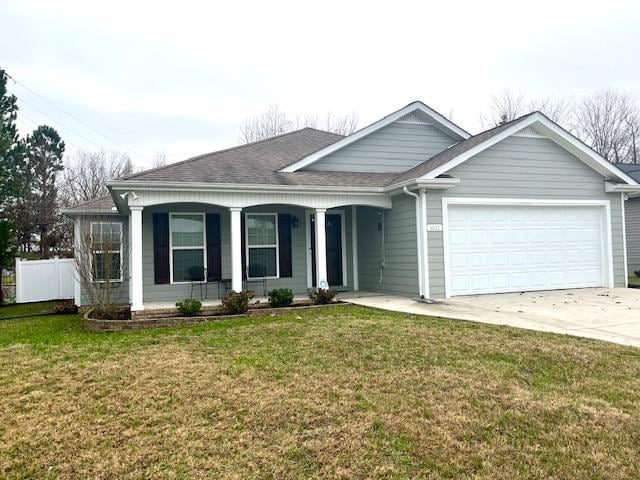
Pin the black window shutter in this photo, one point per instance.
(214, 247)
(284, 245)
(244, 246)
(161, 247)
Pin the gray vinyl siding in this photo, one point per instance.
(397, 147)
(120, 289)
(522, 167)
(400, 275)
(632, 217)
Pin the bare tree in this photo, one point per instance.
(99, 256)
(268, 124)
(609, 121)
(505, 107)
(86, 173)
(275, 122)
(558, 109)
(159, 160)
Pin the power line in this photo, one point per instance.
(72, 116)
(59, 123)
(22, 117)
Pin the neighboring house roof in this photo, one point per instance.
(438, 119)
(631, 169)
(99, 205)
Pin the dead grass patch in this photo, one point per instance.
(344, 393)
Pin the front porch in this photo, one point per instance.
(194, 250)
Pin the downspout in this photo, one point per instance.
(425, 244)
(419, 241)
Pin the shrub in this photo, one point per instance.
(235, 303)
(321, 296)
(66, 306)
(280, 297)
(189, 307)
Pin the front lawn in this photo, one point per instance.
(342, 392)
(21, 309)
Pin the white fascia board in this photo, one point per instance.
(555, 133)
(412, 107)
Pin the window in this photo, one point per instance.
(106, 251)
(262, 245)
(187, 246)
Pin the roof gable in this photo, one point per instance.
(533, 124)
(416, 112)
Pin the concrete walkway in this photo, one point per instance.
(610, 314)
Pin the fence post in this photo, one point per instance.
(17, 280)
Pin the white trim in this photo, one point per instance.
(607, 253)
(555, 133)
(624, 239)
(247, 246)
(354, 247)
(412, 107)
(172, 248)
(121, 252)
(343, 240)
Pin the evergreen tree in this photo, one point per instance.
(8, 152)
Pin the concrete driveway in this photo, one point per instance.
(611, 314)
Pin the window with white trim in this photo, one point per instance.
(187, 246)
(262, 245)
(106, 251)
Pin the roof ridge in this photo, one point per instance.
(197, 157)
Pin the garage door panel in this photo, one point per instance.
(518, 248)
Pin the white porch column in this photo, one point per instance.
(354, 246)
(136, 258)
(236, 249)
(321, 249)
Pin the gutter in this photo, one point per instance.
(234, 187)
(613, 187)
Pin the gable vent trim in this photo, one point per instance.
(415, 118)
(530, 132)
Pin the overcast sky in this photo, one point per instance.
(181, 78)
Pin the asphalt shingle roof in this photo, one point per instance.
(259, 163)
(100, 204)
(631, 169)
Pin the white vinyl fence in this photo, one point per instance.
(38, 280)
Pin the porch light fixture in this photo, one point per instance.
(294, 222)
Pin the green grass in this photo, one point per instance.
(342, 392)
(20, 309)
(634, 280)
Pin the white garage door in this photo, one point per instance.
(494, 249)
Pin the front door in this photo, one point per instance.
(334, 249)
